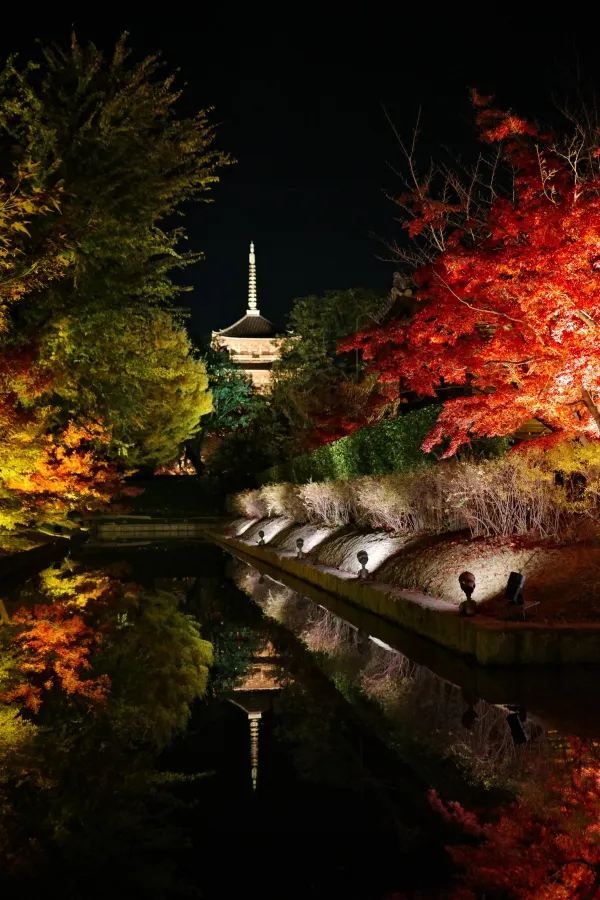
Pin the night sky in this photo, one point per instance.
(301, 107)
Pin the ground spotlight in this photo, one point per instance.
(363, 558)
(514, 587)
(466, 581)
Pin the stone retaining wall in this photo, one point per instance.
(489, 641)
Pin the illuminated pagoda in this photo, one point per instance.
(254, 695)
(252, 342)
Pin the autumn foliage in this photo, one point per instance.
(55, 647)
(46, 470)
(546, 850)
(97, 372)
(510, 305)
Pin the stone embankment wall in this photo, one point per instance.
(414, 583)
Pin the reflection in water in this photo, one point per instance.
(545, 842)
(97, 676)
(253, 692)
(492, 744)
(310, 743)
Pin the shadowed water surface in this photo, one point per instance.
(296, 759)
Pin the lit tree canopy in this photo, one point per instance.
(107, 131)
(27, 263)
(510, 307)
(313, 388)
(95, 163)
(160, 394)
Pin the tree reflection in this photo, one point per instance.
(96, 677)
(544, 846)
(419, 709)
(232, 629)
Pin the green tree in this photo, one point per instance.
(317, 323)
(160, 394)
(26, 264)
(95, 164)
(108, 132)
(235, 402)
(243, 434)
(246, 451)
(312, 383)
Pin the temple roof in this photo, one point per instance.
(252, 326)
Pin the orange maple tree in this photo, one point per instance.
(54, 648)
(46, 470)
(68, 472)
(510, 306)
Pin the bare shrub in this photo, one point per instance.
(249, 504)
(516, 494)
(327, 502)
(386, 502)
(506, 496)
(431, 499)
(523, 492)
(283, 499)
(407, 503)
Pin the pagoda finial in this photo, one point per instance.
(252, 301)
(254, 720)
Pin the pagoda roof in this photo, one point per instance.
(252, 326)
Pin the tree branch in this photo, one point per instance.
(591, 406)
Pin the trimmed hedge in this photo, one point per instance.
(393, 445)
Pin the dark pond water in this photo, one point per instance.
(314, 756)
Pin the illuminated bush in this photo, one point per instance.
(283, 499)
(523, 492)
(392, 445)
(388, 502)
(249, 504)
(327, 502)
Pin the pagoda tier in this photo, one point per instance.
(252, 342)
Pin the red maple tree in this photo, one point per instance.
(510, 306)
(530, 852)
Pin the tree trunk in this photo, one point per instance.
(591, 406)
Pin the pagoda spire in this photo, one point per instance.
(254, 720)
(252, 301)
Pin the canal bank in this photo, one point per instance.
(486, 640)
